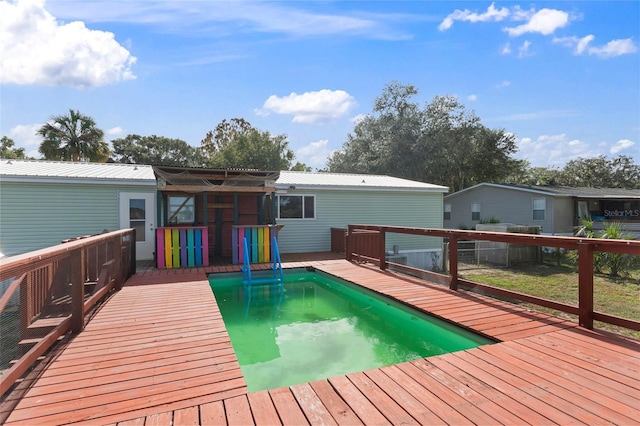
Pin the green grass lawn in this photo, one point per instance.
(618, 296)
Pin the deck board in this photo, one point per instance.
(158, 353)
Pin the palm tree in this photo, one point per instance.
(73, 137)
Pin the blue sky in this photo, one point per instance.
(563, 76)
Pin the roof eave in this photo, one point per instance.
(298, 187)
(76, 180)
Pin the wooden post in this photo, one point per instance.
(77, 260)
(585, 285)
(118, 253)
(348, 242)
(453, 262)
(25, 304)
(131, 247)
(382, 254)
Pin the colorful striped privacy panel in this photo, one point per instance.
(182, 247)
(259, 241)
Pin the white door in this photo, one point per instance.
(138, 211)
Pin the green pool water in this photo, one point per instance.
(317, 326)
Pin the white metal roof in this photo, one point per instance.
(64, 171)
(351, 182)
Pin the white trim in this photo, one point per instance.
(315, 212)
(87, 181)
(362, 189)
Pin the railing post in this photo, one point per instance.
(77, 265)
(453, 262)
(381, 253)
(117, 254)
(348, 243)
(585, 285)
(132, 253)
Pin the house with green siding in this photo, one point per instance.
(309, 205)
(45, 202)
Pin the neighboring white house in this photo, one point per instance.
(45, 202)
(310, 204)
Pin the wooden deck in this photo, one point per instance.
(158, 353)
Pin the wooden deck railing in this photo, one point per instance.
(367, 243)
(50, 291)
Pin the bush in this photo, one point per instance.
(615, 263)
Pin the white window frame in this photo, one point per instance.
(543, 209)
(183, 218)
(447, 209)
(303, 196)
(475, 208)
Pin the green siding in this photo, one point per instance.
(337, 209)
(37, 215)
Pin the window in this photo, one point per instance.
(181, 209)
(583, 210)
(447, 212)
(137, 217)
(475, 211)
(297, 207)
(539, 207)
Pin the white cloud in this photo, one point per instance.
(315, 154)
(544, 21)
(25, 136)
(614, 48)
(504, 83)
(310, 107)
(472, 98)
(581, 46)
(506, 49)
(492, 14)
(553, 150)
(37, 49)
(114, 131)
(225, 17)
(524, 49)
(621, 145)
(358, 118)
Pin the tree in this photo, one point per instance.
(237, 144)
(8, 152)
(255, 150)
(536, 175)
(225, 133)
(157, 150)
(442, 143)
(300, 167)
(618, 172)
(73, 137)
(602, 172)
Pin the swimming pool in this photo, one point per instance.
(316, 326)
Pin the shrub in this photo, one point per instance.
(491, 219)
(616, 263)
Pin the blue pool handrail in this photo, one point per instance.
(277, 264)
(276, 267)
(246, 264)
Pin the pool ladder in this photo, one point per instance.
(276, 267)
